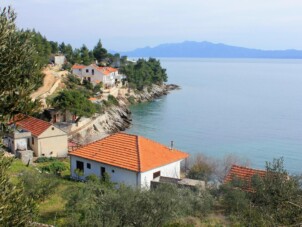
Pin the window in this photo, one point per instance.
(88, 166)
(112, 171)
(53, 128)
(103, 171)
(87, 70)
(156, 174)
(32, 140)
(80, 165)
(92, 71)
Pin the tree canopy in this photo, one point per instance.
(144, 73)
(20, 71)
(74, 101)
(16, 207)
(275, 199)
(99, 52)
(105, 205)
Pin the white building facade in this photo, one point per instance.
(128, 159)
(95, 74)
(121, 175)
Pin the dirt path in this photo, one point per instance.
(51, 77)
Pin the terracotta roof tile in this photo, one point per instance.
(76, 66)
(131, 152)
(31, 124)
(243, 173)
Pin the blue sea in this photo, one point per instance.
(251, 108)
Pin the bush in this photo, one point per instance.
(46, 159)
(88, 85)
(38, 185)
(131, 99)
(112, 100)
(56, 167)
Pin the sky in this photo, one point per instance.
(127, 25)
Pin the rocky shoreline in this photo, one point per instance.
(118, 118)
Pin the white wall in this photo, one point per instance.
(119, 175)
(53, 142)
(170, 170)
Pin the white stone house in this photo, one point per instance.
(95, 74)
(40, 136)
(129, 159)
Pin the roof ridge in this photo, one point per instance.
(245, 167)
(138, 154)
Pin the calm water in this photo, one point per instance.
(251, 108)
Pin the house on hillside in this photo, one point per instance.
(243, 174)
(58, 59)
(129, 159)
(40, 136)
(95, 74)
(56, 115)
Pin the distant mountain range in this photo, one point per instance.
(190, 49)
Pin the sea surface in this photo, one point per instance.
(251, 108)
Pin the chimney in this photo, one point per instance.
(171, 145)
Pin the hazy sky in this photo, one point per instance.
(128, 24)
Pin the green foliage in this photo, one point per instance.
(275, 198)
(66, 66)
(97, 87)
(131, 99)
(20, 72)
(42, 45)
(38, 185)
(46, 159)
(88, 85)
(144, 73)
(127, 206)
(72, 81)
(74, 101)
(55, 167)
(86, 56)
(112, 100)
(99, 53)
(16, 208)
(201, 169)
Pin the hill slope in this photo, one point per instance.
(210, 50)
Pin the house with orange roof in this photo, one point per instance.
(40, 136)
(243, 174)
(129, 159)
(95, 74)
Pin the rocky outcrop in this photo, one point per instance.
(118, 118)
(153, 92)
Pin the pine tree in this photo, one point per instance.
(99, 52)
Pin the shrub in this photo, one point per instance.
(131, 99)
(45, 159)
(56, 167)
(112, 100)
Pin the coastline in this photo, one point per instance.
(118, 118)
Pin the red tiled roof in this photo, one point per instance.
(131, 152)
(243, 173)
(92, 99)
(31, 124)
(76, 66)
(103, 70)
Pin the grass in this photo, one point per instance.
(51, 210)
